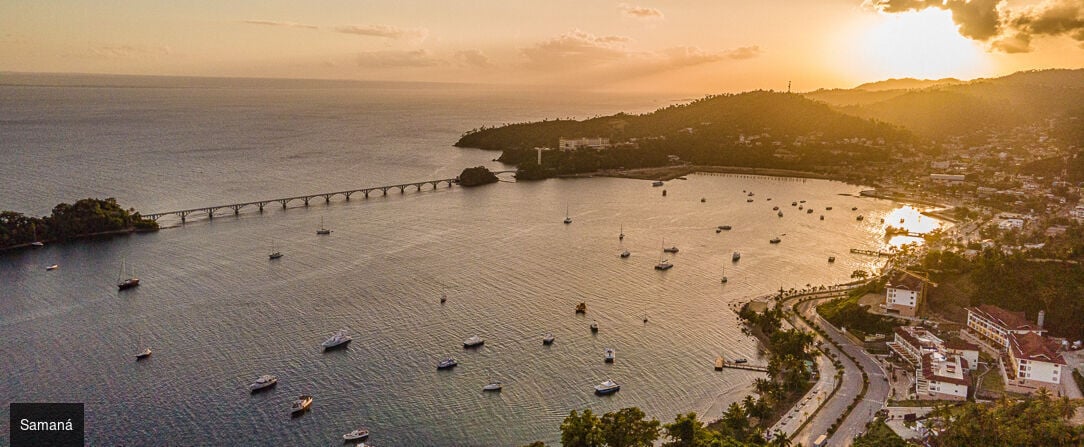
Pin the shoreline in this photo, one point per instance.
(75, 238)
(666, 173)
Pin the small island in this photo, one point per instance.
(87, 217)
(477, 176)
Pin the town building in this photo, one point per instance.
(996, 324)
(952, 179)
(904, 293)
(568, 144)
(1034, 361)
(942, 369)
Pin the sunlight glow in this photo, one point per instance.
(923, 44)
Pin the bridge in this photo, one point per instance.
(210, 211)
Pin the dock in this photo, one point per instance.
(721, 363)
(870, 252)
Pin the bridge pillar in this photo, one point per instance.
(402, 189)
(283, 202)
(210, 214)
(347, 195)
(306, 199)
(385, 190)
(367, 193)
(261, 206)
(184, 217)
(327, 198)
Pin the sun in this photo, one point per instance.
(921, 44)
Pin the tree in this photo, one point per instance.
(687, 431)
(581, 430)
(628, 428)
(859, 274)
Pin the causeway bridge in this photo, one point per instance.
(211, 211)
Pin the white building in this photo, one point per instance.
(568, 144)
(996, 324)
(904, 293)
(1034, 361)
(952, 179)
(1011, 224)
(943, 377)
(942, 369)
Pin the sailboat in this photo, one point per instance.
(621, 236)
(724, 275)
(275, 254)
(122, 282)
(36, 242)
(568, 219)
(323, 229)
(443, 297)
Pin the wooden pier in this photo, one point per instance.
(721, 363)
(870, 252)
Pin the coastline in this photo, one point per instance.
(80, 236)
(665, 173)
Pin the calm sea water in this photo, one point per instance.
(218, 314)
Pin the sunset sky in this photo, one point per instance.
(660, 45)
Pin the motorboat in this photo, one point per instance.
(775, 240)
(37, 244)
(263, 382)
(809, 211)
(275, 255)
(859, 217)
(492, 387)
(581, 308)
(656, 183)
(548, 339)
(801, 201)
(443, 297)
(302, 403)
(801, 207)
(718, 230)
(855, 208)
(142, 355)
(724, 280)
(739, 361)
(672, 249)
(775, 208)
(702, 200)
(793, 203)
(828, 208)
(735, 257)
(831, 259)
(822, 217)
(750, 193)
(780, 214)
(594, 326)
(568, 220)
(664, 265)
(337, 340)
(447, 363)
(473, 341)
(607, 387)
(725, 227)
(52, 267)
(664, 193)
(626, 253)
(749, 200)
(610, 354)
(356, 435)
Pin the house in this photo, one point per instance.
(1011, 224)
(942, 377)
(951, 179)
(568, 144)
(996, 324)
(1034, 361)
(904, 292)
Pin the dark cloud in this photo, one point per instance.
(992, 21)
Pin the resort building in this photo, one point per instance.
(904, 292)
(1034, 361)
(941, 371)
(996, 324)
(568, 144)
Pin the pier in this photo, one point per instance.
(720, 364)
(870, 252)
(211, 211)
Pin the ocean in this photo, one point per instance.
(218, 313)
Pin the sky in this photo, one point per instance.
(693, 46)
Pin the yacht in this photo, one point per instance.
(594, 326)
(581, 308)
(337, 340)
(356, 435)
(263, 382)
(656, 183)
(323, 229)
(52, 267)
(473, 341)
(626, 253)
(621, 236)
(735, 257)
(672, 249)
(610, 355)
(124, 284)
(775, 240)
(607, 387)
(142, 355)
(448, 363)
(492, 386)
(724, 280)
(568, 219)
(664, 265)
(548, 338)
(302, 403)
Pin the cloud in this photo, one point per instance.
(641, 12)
(131, 52)
(385, 31)
(397, 59)
(576, 48)
(992, 21)
(279, 23)
(742, 53)
(473, 58)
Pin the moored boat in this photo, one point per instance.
(609, 355)
(626, 253)
(831, 259)
(263, 382)
(302, 403)
(775, 240)
(859, 217)
(337, 340)
(142, 355)
(656, 183)
(492, 387)
(548, 338)
(581, 308)
(735, 257)
(672, 249)
(664, 265)
(607, 387)
(52, 267)
(356, 435)
(447, 363)
(594, 326)
(473, 341)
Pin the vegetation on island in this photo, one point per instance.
(1039, 420)
(70, 221)
(478, 175)
(879, 434)
(847, 313)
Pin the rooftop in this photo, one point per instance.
(906, 281)
(948, 369)
(1006, 318)
(1032, 346)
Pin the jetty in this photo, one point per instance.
(211, 211)
(721, 363)
(870, 252)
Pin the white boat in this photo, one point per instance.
(356, 435)
(448, 363)
(568, 219)
(473, 341)
(302, 403)
(323, 229)
(626, 253)
(607, 387)
(609, 355)
(594, 326)
(52, 267)
(492, 386)
(548, 338)
(338, 339)
(142, 355)
(263, 382)
(735, 257)
(38, 244)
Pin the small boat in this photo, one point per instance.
(822, 217)
(473, 341)
(724, 280)
(594, 326)
(664, 193)
(718, 230)
(142, 355)
(302, 403)
(52, 267)
(769, 199)
(780, 214)
(901, 220)
(828, 208)
(656, 183)
(775, 208)
(831, 259)
(809, 211)
(356, 435)
(775, 240)
(750, 193)
(735, 257)
(854, 208)
(719, 362)
(492, 387)
(702, 200)
(610, 355)
(607, 387)
(337, 340)
(548, 339)
(801, 201)
(726, 227)
(626, 253)
(749, 200)
(740, 361)
(124, 284)
(672, 249)
(568, 219)
(275, 255)
(37, 244)
(263, 382)
(793, 203)
(621, 236)
(801, 207)
(664, 265)
(323, 229)
(448, 363)
(581, 308)
(859, 217)
(443, 297)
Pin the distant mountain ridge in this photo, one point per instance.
(940, 108)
